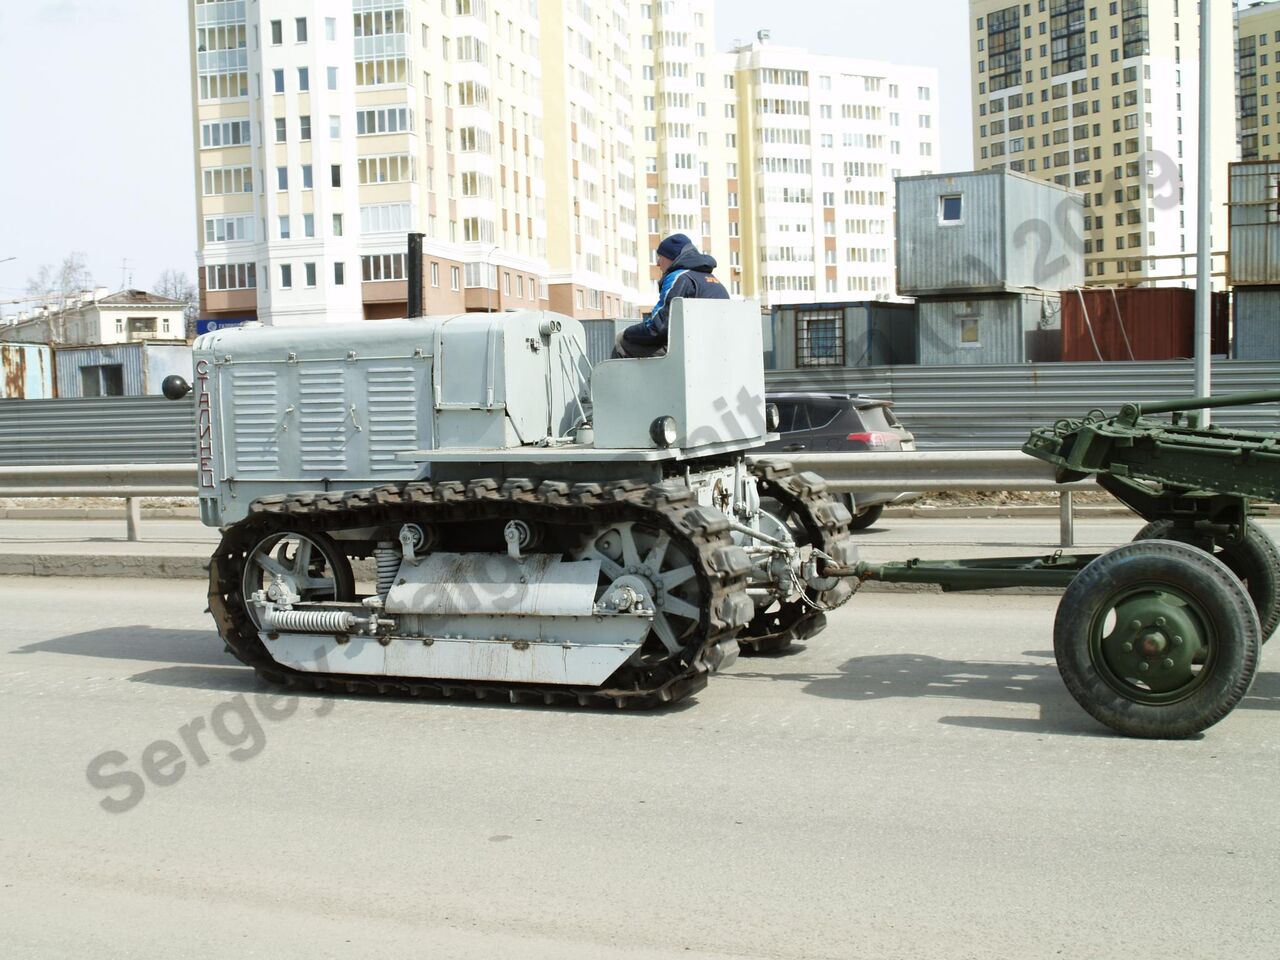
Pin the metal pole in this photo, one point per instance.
(1067, 518)
(1204, 252)
(132, 517)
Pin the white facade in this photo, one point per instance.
(99, 317)
(821, 140)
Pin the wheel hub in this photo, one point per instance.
(1156, 642)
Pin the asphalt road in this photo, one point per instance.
(915, 783)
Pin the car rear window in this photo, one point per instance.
(875, 418)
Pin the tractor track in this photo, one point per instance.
(721, 569)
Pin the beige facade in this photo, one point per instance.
(1259, 58)
(100, 317)
(1103, 96)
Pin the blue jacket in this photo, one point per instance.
(690, 277)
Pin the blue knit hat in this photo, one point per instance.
(673, 246)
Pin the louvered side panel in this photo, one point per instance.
(255, 418)
(323, 420)
(393, 417)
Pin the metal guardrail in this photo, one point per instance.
(923, 472)
(932, 471)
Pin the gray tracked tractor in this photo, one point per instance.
(465, 506)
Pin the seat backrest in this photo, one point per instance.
(711, 381)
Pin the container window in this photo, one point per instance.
(820, 338)
(951, 209)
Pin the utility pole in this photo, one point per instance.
(1204, 255)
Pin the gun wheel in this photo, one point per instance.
(1157, 639)
(1255, 560)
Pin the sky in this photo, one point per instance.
(95, 116)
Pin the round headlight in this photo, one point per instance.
(772, 417)
(174, 387)
(663, 431)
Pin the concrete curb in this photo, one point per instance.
(121, 566)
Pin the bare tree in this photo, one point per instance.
(54, 287)
(176, 285)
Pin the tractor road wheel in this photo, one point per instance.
(864, 517)
(1157, 639)
(1255, 560)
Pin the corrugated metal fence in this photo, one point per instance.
(98, 430)
(948, 408)
(995, 407)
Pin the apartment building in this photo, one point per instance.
(589, 131)
(820, 141)
(1258, 45)
(1103, 96)
(543, 148)
(326, 130)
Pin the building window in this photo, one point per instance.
(219, 181)
(339, 274)
(277, 32)
(335, 126)
(230, 276)
(308, 224)
(333, 78)
(310, 270)
(304, 79)
(455, 278)
(337, 224)
(282, 178)
(435, 274)
(335, 174)
(300, 29)
(305, 126)
(951, 209)
(969, 330)
(281, 130)
(106, 380)
(382, 266)
(224, 133)
(286, 276)
(306, 176)
(284, 228)
(278, 76)
(820, 338)
(331, 28)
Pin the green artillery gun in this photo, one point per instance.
(1160, 637)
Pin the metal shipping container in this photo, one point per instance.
(1255, 223)
(1257, 323)
(124, 370)
(1007, 328)
(865, 333)
(26, 371)
(1137, 323)
(987, 232)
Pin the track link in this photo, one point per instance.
(825, 521)
(721, 570)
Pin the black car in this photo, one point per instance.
(839, 423)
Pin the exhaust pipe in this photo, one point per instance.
(415, 275)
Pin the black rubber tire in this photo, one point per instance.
(865, 517)
(1229, 619)
(1255, 560)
